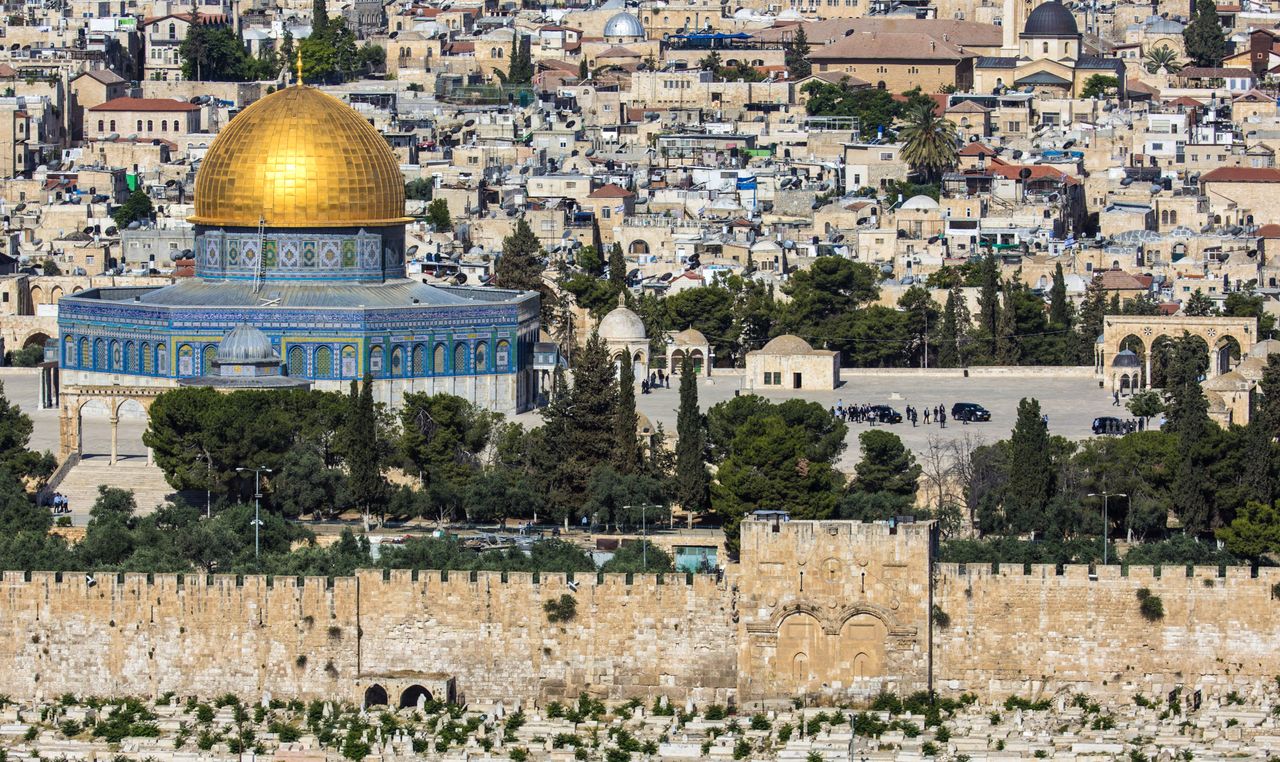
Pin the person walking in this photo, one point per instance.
(926, 416)
(1115, 399)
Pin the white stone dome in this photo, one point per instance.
(921, 203)
(622, 325)
(623, 25)
(246, 345)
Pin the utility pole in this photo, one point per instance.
(257, 505)
(644, 532)
(1105, 522)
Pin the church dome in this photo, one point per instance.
(622, 325)
(246, 345)
(1051, 19)
(623, 25)
(299, 159)
(920, 203)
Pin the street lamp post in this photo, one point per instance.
(257, 504)
(208, 492)
(644, 532)
(1105, 522)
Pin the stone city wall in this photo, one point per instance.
(1012, 632)
(834, 611)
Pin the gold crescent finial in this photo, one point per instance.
(299, 82)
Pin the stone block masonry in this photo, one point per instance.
(832, 610)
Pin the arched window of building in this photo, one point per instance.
(349, 361)
(437, 359)
(324, 362)
(375, 362)
(164, 125)
(297, 361)
(150, 125)
(482, 357)
(397, 362)
(162, 359)
(502, 361)
(100, 355)
(69, 351)
(101, 125)
(130, 359)
(173, 31)
(147, 360)
(186, 360)
(419, 360)
(207, 356)
(139, 125)
(86, 354)
(113, 125)
(459, 358)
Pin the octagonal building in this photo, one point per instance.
(299, 233)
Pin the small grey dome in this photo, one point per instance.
(1125, 358)
(622, 325)
(1051, 19)
(246, 345)
(623, 25)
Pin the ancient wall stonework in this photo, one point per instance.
(832, 611)
(1012, 632)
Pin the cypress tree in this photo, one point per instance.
(796, 55)
(1059, 307)
(319, 18)
(579, 428)
(989, 300)
(954, 316)
(1031, 476)
(583, 73)
(1188, 417)
(1007, 349)
(626, 452)
(617, 268)
(692, 483)
(520, 267)
(364, 466)
(514, 66)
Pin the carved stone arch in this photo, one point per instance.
(800, 607)
(838, 621)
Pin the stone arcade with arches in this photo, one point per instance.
(1123, 354)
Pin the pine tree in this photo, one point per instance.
(520, 267)
(626, 452)
(692, 482)
(796, 55)
(439, 217)
(362, 455)
(1188, 410)
(1205, 42)
(1032, 479)
(1089, 324)
(617, 268)
(1188, 416)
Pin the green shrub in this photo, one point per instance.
(741, 749)
(715, 712)
(1151, 607)
(785, 730)
(518, 754)
(760, 722)
(929, 749)
(563, 609)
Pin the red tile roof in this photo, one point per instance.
(1241, 175)
(1269, 231)
(977, 148)
(1119, 280)
(610, 191)
(1038, 171)
(144, 104)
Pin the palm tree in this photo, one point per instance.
(929, 141)
(1163, 58)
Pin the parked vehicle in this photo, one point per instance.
(884, 414)
(969, 411)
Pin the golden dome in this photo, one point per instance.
(299, 158)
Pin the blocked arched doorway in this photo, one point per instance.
(375, 695)
(411, 695)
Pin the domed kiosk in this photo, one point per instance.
(299, 234)
(623, 27)
(624, 334)
(789, 362)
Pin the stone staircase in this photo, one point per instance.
(80, 485)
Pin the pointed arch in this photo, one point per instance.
(324, 362)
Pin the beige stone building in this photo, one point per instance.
(788, 362)
(1241, 195)
(142, 118)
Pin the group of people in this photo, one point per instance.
(873, 414)
(656, 380)
(938, 412)
(59, 503)
(1123, 427)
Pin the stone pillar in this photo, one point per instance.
(150, 457)
(1147, 378)
(115, 432)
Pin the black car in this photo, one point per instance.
(884, 414)
(969, 411)
(1106, 425)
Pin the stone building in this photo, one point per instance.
(625, 336)
(788, 362)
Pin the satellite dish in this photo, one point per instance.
(1024, 173)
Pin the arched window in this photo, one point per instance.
(139, 125)
(419, 360)
(397, 362)
(162, 359)
(482, 357)
(150, 125)
(207, 356)
(186, 360)
(324, 362)
(459, 358)
(349, 361)
(69, 351)
(130, 359)
(86, 354)
(148, 360)
(100, 355)
(1044, 47)
(113, 125)
(437, 359)
(375, 362)
(1173, 217)
(164, 125)
(502, 361)
(173, 31)
(297, 361)
(101, 125)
